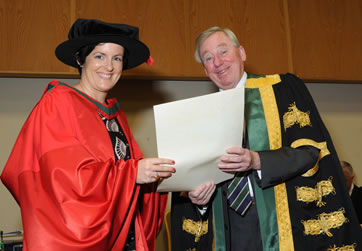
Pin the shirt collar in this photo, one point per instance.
(242, 81)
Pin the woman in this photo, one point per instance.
(76, 170)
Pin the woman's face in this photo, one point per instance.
(102, 69)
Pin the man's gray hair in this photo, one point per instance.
(207, 33)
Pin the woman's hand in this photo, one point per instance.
(202, 194)
(239, 160)
(152, 169)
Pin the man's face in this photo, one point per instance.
(223, 62)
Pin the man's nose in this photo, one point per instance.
(218, 61)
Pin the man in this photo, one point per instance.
(354, 191)
(293, 197)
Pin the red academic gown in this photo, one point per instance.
(72, 193)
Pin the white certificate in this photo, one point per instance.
(195, 132)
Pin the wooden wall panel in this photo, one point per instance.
(318, 40)
(30, 31)
(170, 28)
(259, 25)
(162, 28)
(327, 39)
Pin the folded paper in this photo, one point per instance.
(195, 132)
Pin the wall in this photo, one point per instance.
(317, 39)
(340, 106)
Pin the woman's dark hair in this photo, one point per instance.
(86, 50)
(82, 54)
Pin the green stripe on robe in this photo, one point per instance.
(258, 141)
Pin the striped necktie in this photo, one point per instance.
(239, 195)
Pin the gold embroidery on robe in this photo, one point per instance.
(295, 116)
(343, 248)
(322, 146)
(197, 228)
(324, 223)
(310, 194)
(268, 80)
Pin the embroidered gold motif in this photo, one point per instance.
(197, 228)
(295, 116)
(310, 194)
(322, 146)
(343, 248)
(324, 223)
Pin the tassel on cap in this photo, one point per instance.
(150, 61)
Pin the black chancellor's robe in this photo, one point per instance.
(298, 208)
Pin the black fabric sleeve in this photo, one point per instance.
(185, 217)
(277, 166)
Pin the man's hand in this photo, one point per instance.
(202, 194)
(239, 159)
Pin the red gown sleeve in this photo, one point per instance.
(62, 172)
(151, 207)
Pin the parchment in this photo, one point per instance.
(195, 132)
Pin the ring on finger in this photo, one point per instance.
(157, 176)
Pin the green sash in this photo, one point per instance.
(218, 219)
(258, 141)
